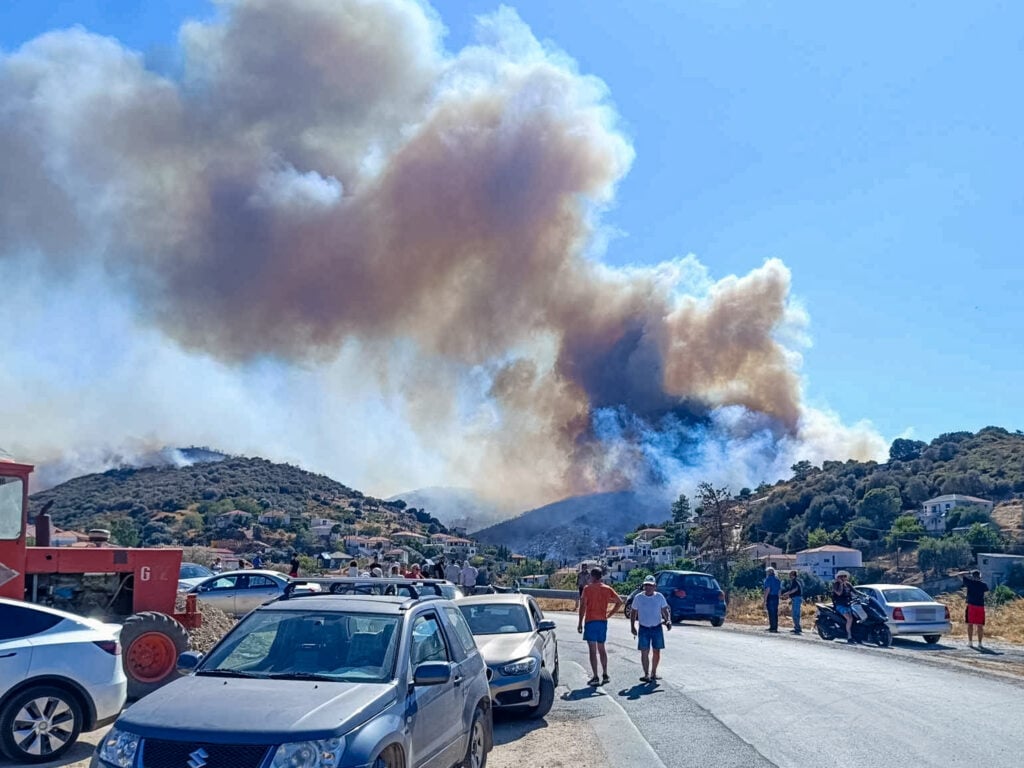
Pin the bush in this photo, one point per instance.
(1001, 595)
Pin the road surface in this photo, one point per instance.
(746, 699)
(754, 699)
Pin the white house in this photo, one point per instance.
(994, 567)
(664, 555)
(758, 551)
(275, 517)
(825, 561)
(933, 512)
(642, 550)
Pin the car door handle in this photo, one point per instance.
(457, 680)
(8, 655)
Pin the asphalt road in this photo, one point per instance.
(754, 699)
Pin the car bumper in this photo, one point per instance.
(920, 628)
(108, 700)
(703, 611)
(518, 691)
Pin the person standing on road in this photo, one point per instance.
(772, 587)
(468, 578)
(651, 609)
(594, 614)
(451, 572)
(795, 592)
(975, 613)
(842, 599)
(582, 579)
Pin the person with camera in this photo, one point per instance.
(842, 599)
(651, 609)
(975, 613)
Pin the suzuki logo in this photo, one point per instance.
(198, 758)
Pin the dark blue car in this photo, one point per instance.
(691, 595)
(320, 681)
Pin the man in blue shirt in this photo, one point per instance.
(772, 587)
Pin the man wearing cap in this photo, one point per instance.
(651, 609)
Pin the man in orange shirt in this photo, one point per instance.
(594, 615)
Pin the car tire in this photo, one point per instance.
(390, 758)
(151, 644)
(932, 639)
(545, 696)
(716, 622)
(55, 706)
(476, 749)
(823, 633)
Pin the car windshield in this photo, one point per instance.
(907, 595)
(194, 571)
(496, 618)
(335, 646)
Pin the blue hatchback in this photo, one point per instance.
(690, 595)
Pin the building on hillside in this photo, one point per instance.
(441, 539)
(758, 551)
(321, 521)
(782, 563)
(398, 555)
(234, 517)
(60, 538)
(826, 561)
(410, 536)
(460, 549)
(650, 534)
(618, 551)
(664, 555)
(619, 570)
(933, 512)
(517, 559)
(534, 580)
(995, 567)
(275, 518)
(642, 550)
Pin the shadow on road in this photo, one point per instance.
(918, 645)
(510, 727)
(642, 689)
(579, 694)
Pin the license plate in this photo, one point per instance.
(925, 614)
(704, 608)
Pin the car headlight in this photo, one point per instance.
(521, 667)
(309, 754)
(119, 748)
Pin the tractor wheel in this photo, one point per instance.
(151, 643)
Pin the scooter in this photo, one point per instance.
(869, 622)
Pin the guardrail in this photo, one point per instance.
(552, 594)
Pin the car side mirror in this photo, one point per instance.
(188, 661)
(546, 626)
(432, 673)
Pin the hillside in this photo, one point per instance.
(456, 507)
(857, 502)
(169, 504)
(576, 527)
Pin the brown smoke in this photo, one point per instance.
(325, 172)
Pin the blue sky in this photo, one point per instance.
(877, 149)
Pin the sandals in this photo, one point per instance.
(645, 679)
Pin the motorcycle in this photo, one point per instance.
(869, 622)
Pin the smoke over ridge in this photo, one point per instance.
(327, 189)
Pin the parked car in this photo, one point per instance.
(520, 648)
(238, 592)
(911, 610)
(320, 680)
(60, 675)
(690, 594)
(191, 574)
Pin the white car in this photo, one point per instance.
(191, 574)
(911, 610)
(60, 674)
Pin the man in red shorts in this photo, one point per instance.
(976, 589)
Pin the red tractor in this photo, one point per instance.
(137, 587)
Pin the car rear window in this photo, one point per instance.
(692, 581)
(907, 595)
(496, 618)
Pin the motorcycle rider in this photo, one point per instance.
(842, 598)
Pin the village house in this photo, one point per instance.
(459, 548)
(234, 517)
(534, 580)
(650, 534)
(664, 555)
(758, 551)
(408, 536)
(826, 561)
(782, 563)
(995, 567)
(275, 518)
(933, 512)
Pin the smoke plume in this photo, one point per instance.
(325, 188)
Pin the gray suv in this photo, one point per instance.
(320, 680)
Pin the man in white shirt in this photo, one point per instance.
(467, 578)
(451, 572)
(651, 609)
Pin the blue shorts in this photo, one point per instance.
(595, 631)
(646, 637)
(843, 610)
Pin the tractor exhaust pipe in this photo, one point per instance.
(43, 527)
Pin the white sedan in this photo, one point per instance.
(60, 674)
(911, 610)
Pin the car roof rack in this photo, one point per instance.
(365, 586)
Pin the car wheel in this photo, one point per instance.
(716, 622)
(476, 750)
(881, 636)
(932, 639)
(546, 696)
(390, 758)
(40, 724)
(151, 644)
